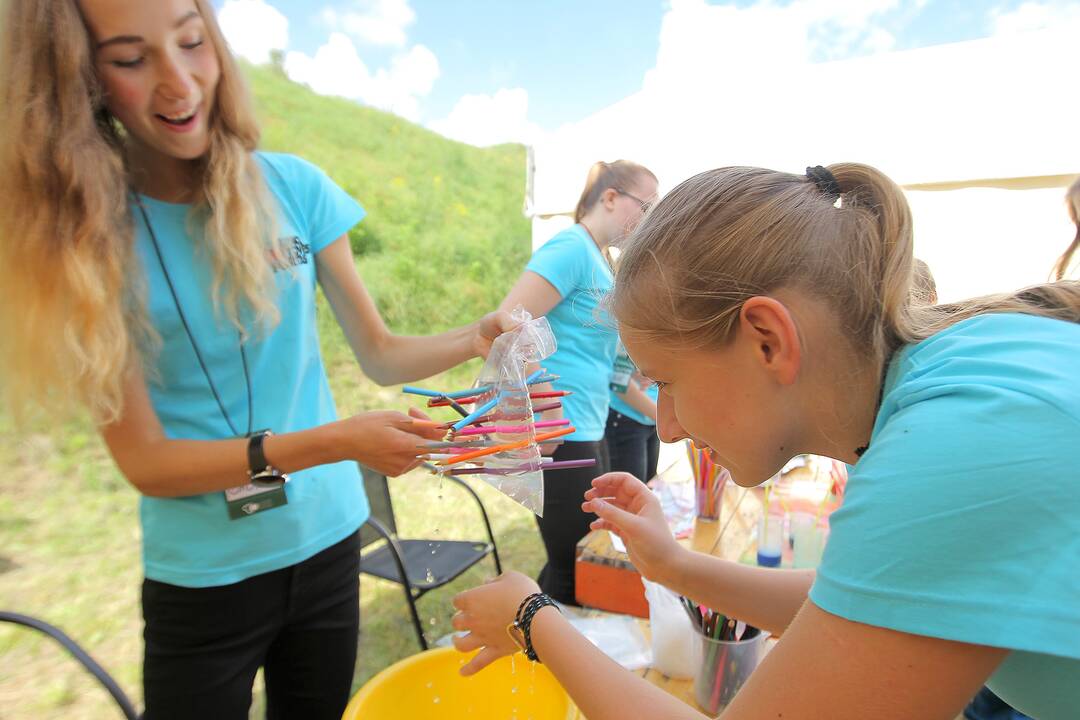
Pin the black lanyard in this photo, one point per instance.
(191, 337)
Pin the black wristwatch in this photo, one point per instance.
(260, 471)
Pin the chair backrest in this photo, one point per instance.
(378, 495)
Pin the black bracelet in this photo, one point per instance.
(521, 607)
(535, 605)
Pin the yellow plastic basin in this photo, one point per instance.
(427, 685)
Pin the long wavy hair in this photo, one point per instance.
(72, 305)
(726, 235)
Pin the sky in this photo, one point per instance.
(491, 71)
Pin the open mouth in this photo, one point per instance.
(180, 121)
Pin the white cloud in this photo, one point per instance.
(373, 22)
(490, 119)
(1035, 16)
(253, 28)
(702, 43)
(337, 69)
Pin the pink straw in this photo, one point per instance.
(511, 428)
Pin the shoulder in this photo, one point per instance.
(1009, 357)
(288, 169)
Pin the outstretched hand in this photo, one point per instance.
(484, 612)
(633, 512)
(387, 441)
(490, 327)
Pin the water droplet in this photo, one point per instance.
(513, 666)
(513, 690)
(429, 578)
(432, 621)
(428, 686)
(436, 700)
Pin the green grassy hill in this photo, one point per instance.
(445, 236)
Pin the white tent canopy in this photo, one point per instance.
(982, 135)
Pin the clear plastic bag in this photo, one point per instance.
(516, 473)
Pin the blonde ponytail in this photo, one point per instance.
(729, 234)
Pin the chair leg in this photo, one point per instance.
(415, 617)
(487, 522)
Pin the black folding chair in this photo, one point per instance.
(424, 564)
(79, 654)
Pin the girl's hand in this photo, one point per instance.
(490, 327)
(388, 441)
(484, 612)
(633, 513)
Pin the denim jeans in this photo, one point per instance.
(632, 446)
(988, 706)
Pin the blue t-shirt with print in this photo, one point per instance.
(585, 334)
(190, 541)
(962, 519)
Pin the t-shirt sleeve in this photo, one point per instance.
(563, 261)
(327, 211)
(962, 520)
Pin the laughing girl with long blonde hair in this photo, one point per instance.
(161, 274)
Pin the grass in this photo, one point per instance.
(444, 240)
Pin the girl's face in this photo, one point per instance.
(159, 71)
(628, 207)
(722, 399)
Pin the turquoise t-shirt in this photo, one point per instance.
(190, 541)
(962, 520)
(620, 406)
(584, 333)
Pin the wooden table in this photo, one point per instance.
(739, 512)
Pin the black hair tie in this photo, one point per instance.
(825, 181)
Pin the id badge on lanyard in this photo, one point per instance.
(256, 496)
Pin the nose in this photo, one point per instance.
(175, 81)
(667, 425)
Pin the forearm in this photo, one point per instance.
(637, 399)
(599, 686)
(178, 468)
(767, 598)
(406, 358)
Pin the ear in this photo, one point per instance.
(767, 327)
(607, 199)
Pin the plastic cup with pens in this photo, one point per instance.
(728, 651)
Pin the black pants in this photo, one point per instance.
(203, 645)
(564, 522)
(633, 447)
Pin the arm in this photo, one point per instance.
(534, 293)
(387, 358)
(825, 666)
(764, 597)
(163, 467)
(636, 398)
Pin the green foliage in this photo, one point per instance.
(445, 236)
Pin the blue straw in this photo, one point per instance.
(421, 391)
(413, 390)
(532, 378)
(477, 413)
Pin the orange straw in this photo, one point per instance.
(465, 457)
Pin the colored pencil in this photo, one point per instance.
(509, 446)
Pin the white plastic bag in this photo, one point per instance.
(672, 633)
